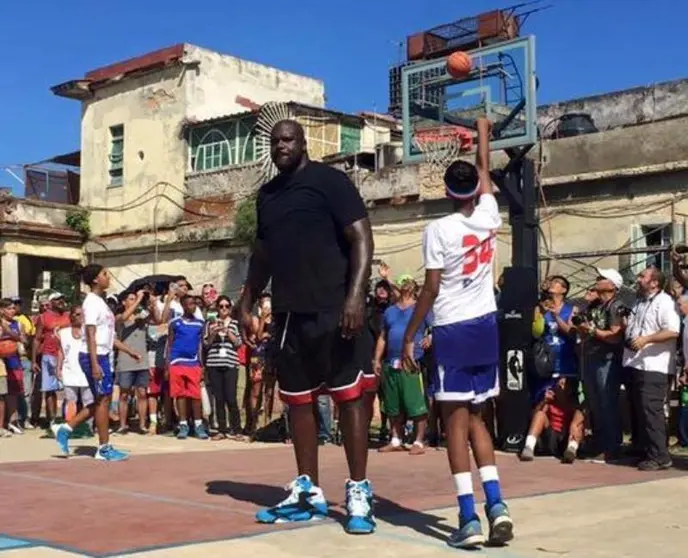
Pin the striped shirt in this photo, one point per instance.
(221, 351)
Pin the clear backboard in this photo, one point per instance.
(501, 86)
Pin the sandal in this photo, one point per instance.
(219, 436)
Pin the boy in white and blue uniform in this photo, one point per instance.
(458, 251)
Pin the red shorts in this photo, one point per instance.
(15, 382)
(185, 380)
(156, 381)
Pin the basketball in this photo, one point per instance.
(459, 64)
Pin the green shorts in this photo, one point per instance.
(402, 393)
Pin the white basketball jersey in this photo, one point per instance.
(463, 248)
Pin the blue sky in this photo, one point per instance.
(584, 47)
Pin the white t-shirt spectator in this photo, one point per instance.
(72, 374)
(657, 313)
(98, 314)
(176, 310)
(463, 248)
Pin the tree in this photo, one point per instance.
(245, 221)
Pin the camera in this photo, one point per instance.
(578, 320)
(623, 311)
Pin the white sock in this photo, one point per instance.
(396, 442)
(183, 423)
(153, 418)
(463, 483)
(573, 446)
(530, 442)
(198, 423)
(488, 473)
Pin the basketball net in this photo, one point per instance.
(441, 146)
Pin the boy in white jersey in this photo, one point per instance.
(458, 251)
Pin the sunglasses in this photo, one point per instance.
(224, 306)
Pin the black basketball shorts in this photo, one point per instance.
(311, 358)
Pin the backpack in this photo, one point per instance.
(543, 359)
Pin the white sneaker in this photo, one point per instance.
(5, 433)
(15, 428)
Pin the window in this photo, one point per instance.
(223, 144)
(655, 239)
(116, 156)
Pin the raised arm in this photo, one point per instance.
(482, 156)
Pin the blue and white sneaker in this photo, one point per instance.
(501, 524)
(469, 535)
(108, 453)
(183, 432)
(200, 432)
(306, 502)
(359, 507)
(62, 435)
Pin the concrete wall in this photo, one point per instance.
(578, 218)
(214, 86)
(223, 266)
(624, 108)
(151, 108)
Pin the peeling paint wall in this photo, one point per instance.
(625, 108)
(225, 267)
(213, 87)
(151, 109)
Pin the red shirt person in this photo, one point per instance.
(48, 325)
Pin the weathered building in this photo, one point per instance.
(169, 152)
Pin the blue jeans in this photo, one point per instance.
(325, 416)
(24, 403)
(602, 384)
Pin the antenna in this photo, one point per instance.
(269, 115)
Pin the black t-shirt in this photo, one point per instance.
(301, 222)
(605, 316)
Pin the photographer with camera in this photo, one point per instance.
(649, 352)
(601, 333)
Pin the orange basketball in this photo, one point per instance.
(459, 64)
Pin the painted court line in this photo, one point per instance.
(126, 493)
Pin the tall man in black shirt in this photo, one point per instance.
(314, 240)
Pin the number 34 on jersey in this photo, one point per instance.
(478, 254)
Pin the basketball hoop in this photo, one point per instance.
(442, 145)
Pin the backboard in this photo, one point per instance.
(501, 86)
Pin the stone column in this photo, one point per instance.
(9, 268)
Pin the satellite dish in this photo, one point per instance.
(269, 115)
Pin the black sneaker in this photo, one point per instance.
(653, 465)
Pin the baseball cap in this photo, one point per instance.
(611, 275)
(55, 296)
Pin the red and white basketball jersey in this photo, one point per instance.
(463, 248)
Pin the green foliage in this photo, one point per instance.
(65, 283)
(79, 220)
(245, 221)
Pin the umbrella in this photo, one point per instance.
(159, 282)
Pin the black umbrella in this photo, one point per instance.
(159, 282)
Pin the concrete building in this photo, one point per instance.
(168, 154)
(616, 198)
(168, 151)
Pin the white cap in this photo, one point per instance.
(611, 275)
(55, 296)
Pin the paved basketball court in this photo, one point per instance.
(194, 498)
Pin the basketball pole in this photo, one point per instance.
(517, 302)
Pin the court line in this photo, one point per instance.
(126, 493)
